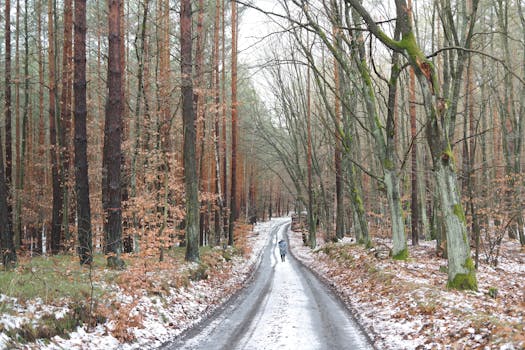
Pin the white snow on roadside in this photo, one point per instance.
(424, 314)
(163, 317)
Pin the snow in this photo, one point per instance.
(401, 304)
(163, 317)
(405, 304)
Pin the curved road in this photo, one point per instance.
(285, 307)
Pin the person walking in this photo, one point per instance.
(282, 249)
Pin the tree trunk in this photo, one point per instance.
(339, 195)
(136, 137)
(17, 190)
(311, 217)
(414, 205)
(81, 161)
(461, 271)
(188, 115)
(42, 173)
(233, 195)
(65, 116)
(219, 227)
(8, 118)
(7, 246)
(112, 141)
(56, 228)
(25, 118)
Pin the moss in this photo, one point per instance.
(447, 156)
(358, 201)
(469, 264)
(388, 164)
(465, 281)
(458, 211)
(402, 255)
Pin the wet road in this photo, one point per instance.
(285, 307)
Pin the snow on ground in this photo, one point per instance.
(162, 317)
(405, 304)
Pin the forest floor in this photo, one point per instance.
(44, 302)
(406, 305)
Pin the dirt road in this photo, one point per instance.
(285, 307)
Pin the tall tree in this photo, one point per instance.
(8, 115)
(234, 107)
(188, 115)
(81, 161)
(65, 114)
(339, 195)
(7, 246)
(461, 270)
(219, 227)
(112, 142)
(414, 204)
(56, 225)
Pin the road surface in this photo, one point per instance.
(285, 307)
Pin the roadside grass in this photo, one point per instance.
(53, 279)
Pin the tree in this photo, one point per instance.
(56, 225)
(7, 246)
(81, 162)
(65, 114)
(112, 142)
(219, 212)
(234, 106)
(8, 113)
(461, 270)
(188, 116)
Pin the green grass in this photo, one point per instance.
(50, 278)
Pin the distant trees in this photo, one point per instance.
(365, 106)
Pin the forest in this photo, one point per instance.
(143, 136)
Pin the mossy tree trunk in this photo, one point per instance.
(461, 270)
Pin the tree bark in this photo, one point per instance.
(188, 114)
(112, 141)
(81, 160)
(414, 204)
(233, 195)
(339, 195)
(56, 226)
(219, 227)
(311, 217)
(65, 114)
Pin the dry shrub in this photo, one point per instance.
(123, 320)
(240, 235)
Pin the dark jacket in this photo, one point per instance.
(282, 247)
